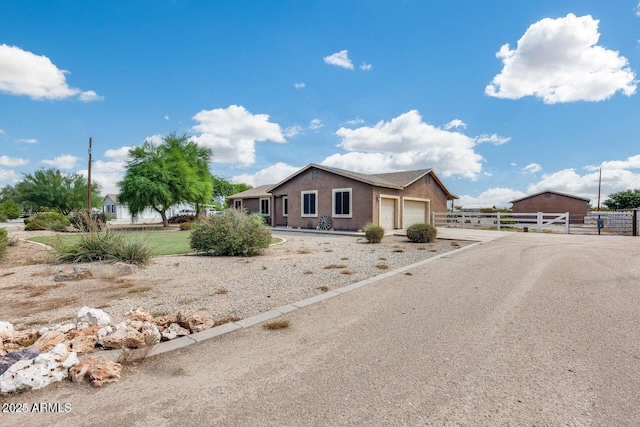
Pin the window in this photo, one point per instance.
(342, 202)
(309, 201)
(285, 206)
(237, 204)
(264, 206)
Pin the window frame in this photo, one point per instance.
(285, 206)
(268, 200)
(237, 204)
(334, 192)
(315, 208)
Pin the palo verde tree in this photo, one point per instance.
(53, 189)
(623, 200)
(223, 188)
(161, 175)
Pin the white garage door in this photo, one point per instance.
(388, 214)
(414, 212)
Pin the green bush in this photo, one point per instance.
(422, 233)
(10, 209)
(88, 223)
(47, 221)
(186, 226)
(232, 233)
(104, 245)
(373, 233)
(4, 241)
(3, 217)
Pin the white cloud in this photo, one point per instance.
(316, 124)
(406, 142)
(28, 141)
(532, 168)
(340, 59)
(366, 67)
(66, 161)
(356, 121)
(494, 139)
(498, 197)
(299, 85)
(156, 139)
(632, 162)
(8, 175)
(513, 164)
(270, 175)
(454, 124)
(167, 117)
(638, 10)
(233, 132)
(2, 132)
(558, 60)
(292, 131)
(25, 73)
(12, 161)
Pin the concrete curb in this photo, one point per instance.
(120, 355)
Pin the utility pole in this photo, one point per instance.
(599, 187)
(89, 180)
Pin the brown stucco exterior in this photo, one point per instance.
(553, 202)
(366, 193)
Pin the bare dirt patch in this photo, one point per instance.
(219, 287)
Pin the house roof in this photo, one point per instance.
(396, 180)
(252, 193)
(552, 192)
(112, 196)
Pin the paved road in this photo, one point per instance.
(530, 329)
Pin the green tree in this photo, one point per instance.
(51, 188)
(8, 192)
(223, 188)
(159, 176)
(10, 209)
(623, 200)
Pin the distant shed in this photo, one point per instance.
(553, 202)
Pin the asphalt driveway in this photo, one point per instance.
(530, 329)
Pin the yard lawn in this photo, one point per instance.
(161, 242)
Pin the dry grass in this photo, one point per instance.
(225, 320)
(139, 289)
(455, 244)
(303, 251)
(7, 274)
(334, 266)
(36, 291)
(307, 272)
(344, 258)
(328, 250)
(221, 291)
(382, 266)
(323, 288)
(277, 324)
(421, 248)
(346, 271)
(398, 250)
(408, 273)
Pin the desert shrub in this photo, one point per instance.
(34, 224)
(181, 219)
(47, 221)
(373, 233)
(422, 233)
(10, 209)
(85, 222)
(4, 241)
(104, 245)
(232, 233)
(186, 225)
(3, 217)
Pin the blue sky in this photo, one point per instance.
(500, 98)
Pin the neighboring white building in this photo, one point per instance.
(111, 206)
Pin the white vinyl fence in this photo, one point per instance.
(538, 221)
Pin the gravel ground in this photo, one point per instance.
(304, 265)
